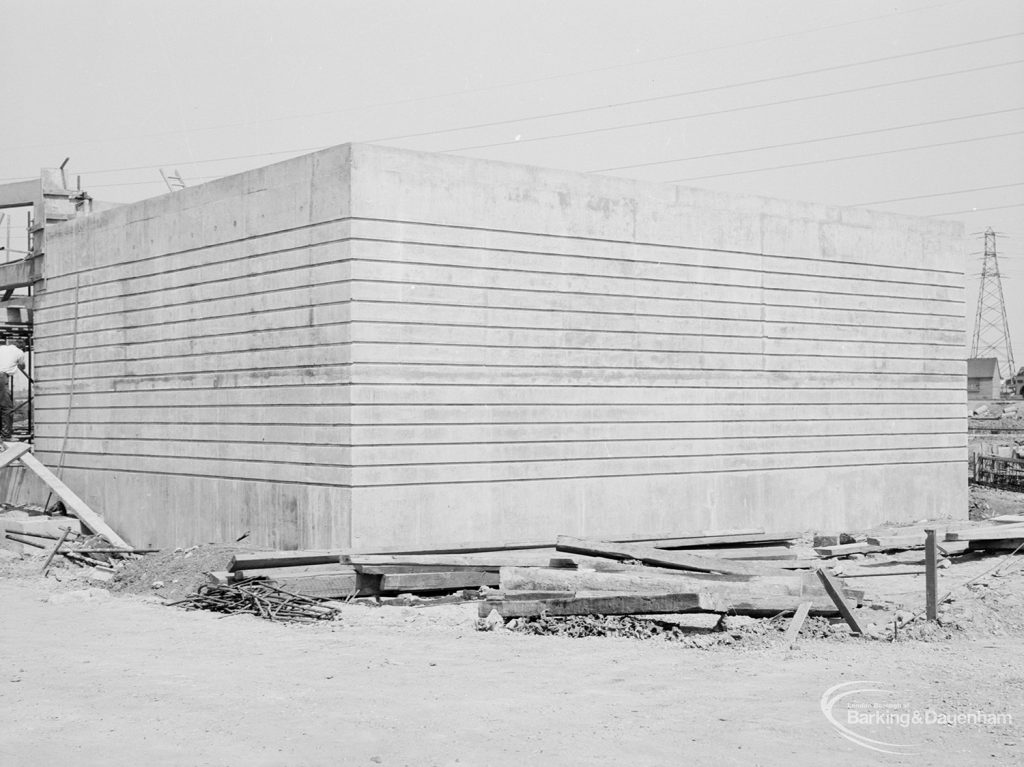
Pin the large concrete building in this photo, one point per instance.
(368, 347)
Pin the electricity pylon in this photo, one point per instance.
(991, 330)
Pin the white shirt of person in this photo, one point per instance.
(11, 358)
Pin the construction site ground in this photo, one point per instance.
(105, 673)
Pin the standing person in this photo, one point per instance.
(11, 358)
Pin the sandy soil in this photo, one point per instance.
(94, 678)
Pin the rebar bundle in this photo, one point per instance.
(257, 596)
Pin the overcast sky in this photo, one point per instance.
(913, 107)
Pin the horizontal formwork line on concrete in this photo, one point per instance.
(45, 314)
(42, 311)
(84, 342)
(633, 296)
(463, 383)
(435, 225)
(716, 318)
(44, 335)
(759, 275)
(82, 354)
(637, 350)
(481, 425)
(431, 414)
(588, 256)
(766, 294)
(423, 384)
(58, 434)
(581, 238)
(252, 269)
(508, 461)
(657, 257)
(120, 470)
(518, 367)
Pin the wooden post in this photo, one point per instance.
(931, 574)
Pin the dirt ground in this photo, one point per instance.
(95, 677)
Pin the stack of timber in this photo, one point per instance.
(646, 580)
(343, 574)
(340, 575)
(1000, 537)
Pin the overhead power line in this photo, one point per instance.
(732, 110)
(703, 91)
(517, 83)
(975, 210)
(810, 141)
(748, 107)
(941, 194)
(847, 157)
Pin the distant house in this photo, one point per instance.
(983, 381)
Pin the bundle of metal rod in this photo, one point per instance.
(257, 596)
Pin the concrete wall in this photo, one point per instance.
(192, 358)
(373, 346)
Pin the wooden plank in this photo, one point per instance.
(646, 604)
(73, 503)
(534, 595)
(793, 629)
(774, 553)
(290, 571)
(336, 586)
(835, 591)
(952, 548)
(606, 604)
(1005, 544)
(482, 560)
(731, 539)
(845, 549)
(891, 542)
(645, 579)
(399, 569)
(17, 194)
(993, 533)
(437, 581)
(881, 573)
(21, 273)
(783, 595)
(13, 451)
(661, 557)
(490, 561)
(268, 559)
(695, 539)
